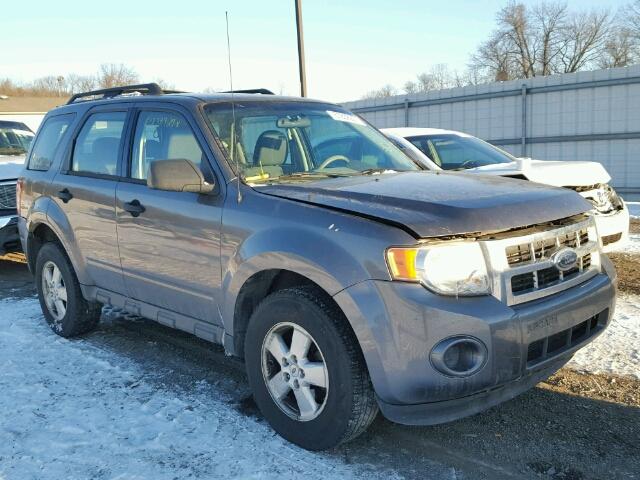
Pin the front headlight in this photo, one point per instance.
(614, 198)
(448, 269)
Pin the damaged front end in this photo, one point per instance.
(610, 213)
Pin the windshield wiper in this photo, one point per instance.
(300, 175)
(373, 171)
(313, 174)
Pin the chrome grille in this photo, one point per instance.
(546, 277)
(8, 196)
(522, 266)
(519, 254)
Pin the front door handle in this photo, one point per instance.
(64, 195)
(134, 207)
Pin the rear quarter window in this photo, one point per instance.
(47, 142)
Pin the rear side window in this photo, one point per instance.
(47, 142)
(98, 144)
(162, 136)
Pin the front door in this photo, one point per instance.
(85, 190)
(169, 241)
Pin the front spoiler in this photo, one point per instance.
(449, 410)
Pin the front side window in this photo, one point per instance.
(453, 152)
(162, 136)
(98, 144)
(48, 141)
(282, 141)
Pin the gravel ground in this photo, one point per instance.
(628, 265)
(573, 426)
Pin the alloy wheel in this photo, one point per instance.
(54, 290)
(295, 371)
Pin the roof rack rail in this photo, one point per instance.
(143, 89)
(262, 91)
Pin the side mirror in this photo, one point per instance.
(177, 175)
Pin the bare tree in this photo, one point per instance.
(542, 40)
(383, 92)
(114, 75)
(411, 87)
(495, 59)
(586, 36)
(631, 18)
(80, 83)
(47, 86)
(620, 50)
(549, 19)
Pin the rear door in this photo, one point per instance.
(85, 190)
(169, 241)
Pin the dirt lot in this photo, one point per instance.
(628, 266)
(571, 427)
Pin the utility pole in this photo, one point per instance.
(303, 74)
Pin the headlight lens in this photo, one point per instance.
(448, 269)
(614, 198)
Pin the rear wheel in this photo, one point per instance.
(65, 309)
(306, 370)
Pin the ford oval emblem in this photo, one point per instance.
(565, 259)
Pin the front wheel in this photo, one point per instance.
(306, 370)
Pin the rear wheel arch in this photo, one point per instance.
(40, 235)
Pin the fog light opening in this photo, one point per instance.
(459, 356)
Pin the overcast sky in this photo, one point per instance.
(352, 46)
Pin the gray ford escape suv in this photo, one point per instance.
(347, 279)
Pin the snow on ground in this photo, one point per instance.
(617, 350)
(634, 244)
(73, 410)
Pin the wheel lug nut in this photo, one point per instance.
(293, 359)
(284, 362)
(296, 384)
(301, 373)
(287, 377)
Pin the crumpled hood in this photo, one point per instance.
(550, 172)
(431, 204)
(10, 166)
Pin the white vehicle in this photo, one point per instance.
(15, 139)
(437, 149)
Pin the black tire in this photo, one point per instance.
(350, 405)
(81, 316)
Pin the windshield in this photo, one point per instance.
(453, 152)
(282, 141)
(14, 141)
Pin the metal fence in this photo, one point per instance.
(579, 116)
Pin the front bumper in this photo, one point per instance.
(9, 238)
(398, 324)
(613, 229)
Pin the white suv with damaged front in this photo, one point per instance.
(437, 149)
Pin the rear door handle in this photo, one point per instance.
(134, 207)
(64, 195)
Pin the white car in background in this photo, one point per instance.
(437, 149)
(15, 139)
